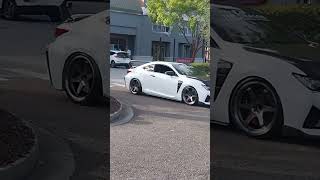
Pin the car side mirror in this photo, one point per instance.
(170, 73)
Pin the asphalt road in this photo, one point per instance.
(165, 139)
(26, 92)
(237, 156)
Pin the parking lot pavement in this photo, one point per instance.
(82, 127)
(237, 156)
(26, 92)
(165, 140)
(117, 75)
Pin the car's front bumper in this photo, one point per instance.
(204, 97)
(311, 124)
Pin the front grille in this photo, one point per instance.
(313, 119)
(207, 99)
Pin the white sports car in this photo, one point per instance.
(77, 61)
(168, 80)
(55, 9)
(268, 79)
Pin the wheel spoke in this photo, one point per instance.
(86, 88)
(250, 117)
(260, 119)
(266, 108)
(80, 87)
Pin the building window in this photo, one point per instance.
(187, 32)
(184, 50)
(160, 28)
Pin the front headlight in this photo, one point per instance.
(310, 83)
(206, 87)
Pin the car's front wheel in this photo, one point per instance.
(9, 9)
(135, 87)
(82, 80)
(190, 95)
(255, 108)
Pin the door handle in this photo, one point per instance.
(152, 75)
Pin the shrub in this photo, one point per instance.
(201, 70)
(304, 19)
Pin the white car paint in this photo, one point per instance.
(165, 86)
(119, 60)
(89, 36)
(296, 99)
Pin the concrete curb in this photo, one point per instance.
(124, 115)
(22, 167)
(114, 116)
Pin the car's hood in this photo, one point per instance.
(303, 56)
(204, 80)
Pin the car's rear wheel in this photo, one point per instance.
(190, 95)
(82, 80)
(135, 87)
(256, 109)
(9, 9)
(113, 64)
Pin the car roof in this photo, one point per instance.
(115, 51)
(163, 62)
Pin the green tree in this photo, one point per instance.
(183, 14)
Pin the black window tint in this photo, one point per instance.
(161, 68)
(213, 43)
(112, 53)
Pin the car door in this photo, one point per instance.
(148, 79)
(166, 85)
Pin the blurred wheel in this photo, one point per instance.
(190, 95)
(113, 64)
(135, 87)
(256, 109)
(82, 80)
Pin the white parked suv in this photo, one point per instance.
(77, 61)
(119, 58)
(55, 9)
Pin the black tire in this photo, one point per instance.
(9, 10)
(82, 80)
(113, 64)
(190, 96)
(135, 87)
(255, 108)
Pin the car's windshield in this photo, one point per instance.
(246, 26)
(122, 55)
(183, 69)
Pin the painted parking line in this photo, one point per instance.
(29, 73)
(117, 84)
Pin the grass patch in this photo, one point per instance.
(201, 70)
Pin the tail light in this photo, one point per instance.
(60, 31)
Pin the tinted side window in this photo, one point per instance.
(149, 68)
(112, 53)
(161, 68)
